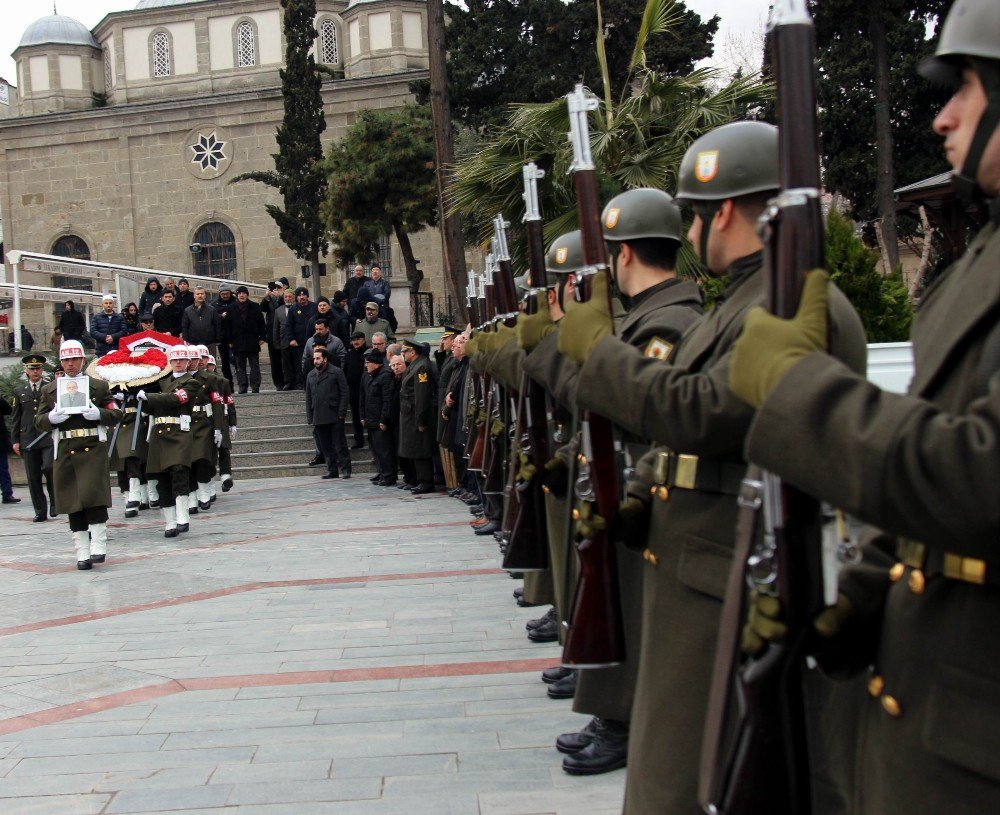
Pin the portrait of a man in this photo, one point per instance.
(74, 394)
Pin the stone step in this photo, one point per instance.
(269, 399)
(273, 432)
(289, 456)
(264, 447)
(274, 418)
(358, 470)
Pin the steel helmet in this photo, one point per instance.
(641, 213)
(740, 158)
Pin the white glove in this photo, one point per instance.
(218, 438)
(118, 396)
(92, 413)
(57, 415)
(141, 396)
(232, 431)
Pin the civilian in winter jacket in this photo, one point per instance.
(185, 297)
(323, 339)
(131, 316)
(246, 334)
(297, 323)
(340, 324)
(380, 289)
(200, 323)
(327, 401)
(107, 327)
(355, 283)
(354, 369)
(72, 325)
(222, 304)
(168, 315)
(376, 408)
(150, 295)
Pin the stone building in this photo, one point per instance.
(122, 140)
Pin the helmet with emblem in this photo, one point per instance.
(177, 352)
(565, 255)
(644, 212)
(737, 159)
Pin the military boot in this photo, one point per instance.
(98, 542)
(143, 496)
(575, 742)
(183, 515)
(152, 487)
(204, 496)
(133, 500)
(169, 522)
(564, 688)
(227, 482)
(81, 542)
(191, 500)
(606, 752)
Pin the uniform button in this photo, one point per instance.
(891, 706)
(576, 514)
(917, 581)
(663, 493)
(72, 452)
(650, 558)
(86, 449)
(896, 572)
(876, 685)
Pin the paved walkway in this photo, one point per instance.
(310, 647)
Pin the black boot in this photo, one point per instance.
(575, 742)
(555, 673)
(549, 632)
(548, 617)
(608, 751)
(564, 688)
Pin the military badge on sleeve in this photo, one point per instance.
(658, 348)
(422, 378)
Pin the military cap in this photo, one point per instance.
(33, 360)
(413, 345)
(737, 159)
(450, 331)
(58, 368)
(641, 213)
(71, 349)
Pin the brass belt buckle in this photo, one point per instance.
(686, 474)
(967, 569)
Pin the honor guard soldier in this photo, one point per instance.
(81, 472)
(133, 462)
(169, 455)
(417, 415)
(33, 447)
(923, 468)
(206, 432)
(727, 176)
(229, 425)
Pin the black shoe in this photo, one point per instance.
(52, 508)
(193, 511)
(518, 593)
(205, 505)
(487, 528)
(317, 461)
(183, 528)
(227, 484)
(454, 493)
(83, 565)
(575, 742)
(476, 509)
(375, 478)
(10, 499)
(256, 390)
(97, 558)
(606, 752)
(422, 489)
(548, 617)
(346, 474)
(547, 632)
(555, 673)
(39, 517)
(143, 506)
(565, 688)
(131, 509)
(211, 499)
(472, 501)
(402, 485)
(170, 533)
(242, 391)
(154, 504)
(520, 600)
(329, 475)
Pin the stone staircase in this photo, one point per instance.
(275, 441)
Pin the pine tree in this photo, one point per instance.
(298, 165)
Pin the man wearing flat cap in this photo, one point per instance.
(372, 324)
(417, 415)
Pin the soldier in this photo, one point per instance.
(727, 176)
(922, 468)
(81, 473)
(206, 432)
(417, 419)
(133, 462)
(170, 440)
(34, 448)
(229, 425)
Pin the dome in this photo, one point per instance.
(57, 29)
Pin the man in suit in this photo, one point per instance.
(33, 447)
(71, 396)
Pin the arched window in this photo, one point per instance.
(246, 46)
(161, 54)
(329, 52)
(74, 247)
(216, 255)
(108, 73)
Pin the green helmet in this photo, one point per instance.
(565, 255)
(969, 30)
(641, 213)
(740, 158)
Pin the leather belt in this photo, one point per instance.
(931, 562)
(83, 433)
(130, 410)
(688, 472)
(166, 420)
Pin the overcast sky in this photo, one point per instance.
(742, 21)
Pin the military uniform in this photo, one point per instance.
(38, 459)
(170, 447)
(206, 418)
(417, 407)
(133, 462)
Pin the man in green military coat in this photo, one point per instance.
(727, 176)
(922, 468)
(33, 447)
(417, 415)
(229, 423)
(80, 468)
(206, 431)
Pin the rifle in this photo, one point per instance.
(527, 547)
(506, 298)
(476, 460)
(755, 756)
(595, 635)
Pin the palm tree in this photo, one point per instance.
(637, 141)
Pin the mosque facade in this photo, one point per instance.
(119, 143)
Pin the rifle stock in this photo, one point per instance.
(755, 751)
(595, 634)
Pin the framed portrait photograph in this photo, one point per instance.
(73, 395)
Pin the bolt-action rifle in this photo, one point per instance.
(595, 633)
(527, 545)
(755, 756)
(484, 408)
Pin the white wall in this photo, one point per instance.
(413, 30)
(38, 69)
(220, 39)
(379, 31)
(70, 73)
(354, 34)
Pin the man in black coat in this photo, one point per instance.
(354, 369)
(340, 323)
(185, 297)
(167, 315)
(327, 401)
(376, 406)
(222, 304)
(268, 306)
(200, 323)
(354, 283)
(297, 323)
(246, 335)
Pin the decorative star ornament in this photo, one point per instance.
(208, 152)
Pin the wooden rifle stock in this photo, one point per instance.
(755, 751)
(595, 635)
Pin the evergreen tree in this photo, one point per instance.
(298, 165)
(381, 179)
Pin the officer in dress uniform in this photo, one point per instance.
(81, 472)
(33, 447)
(169, 456)
(417, 415)
(923, 468)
